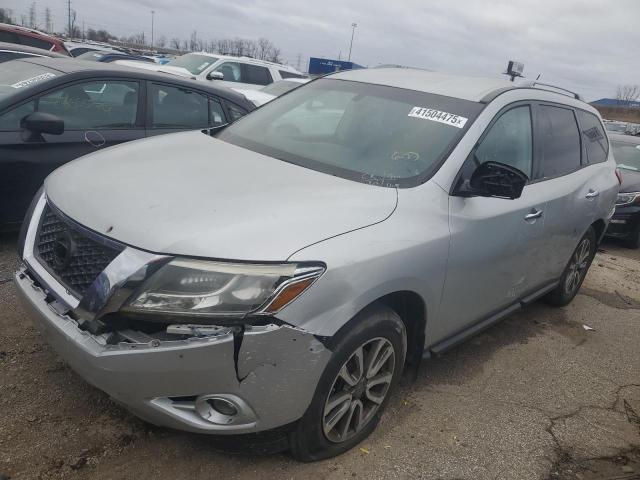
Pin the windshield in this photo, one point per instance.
(279, 88)
(193, 62)
(20, 75)
(627, 155)
(369, 133)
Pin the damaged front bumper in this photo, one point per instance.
(267, 375)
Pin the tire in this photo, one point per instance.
(370, 334)
(633, 239)
(575, 271)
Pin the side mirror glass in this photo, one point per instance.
(38, 123)
(215, 76)
(494, 179)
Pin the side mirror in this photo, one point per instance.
(38, 123)
(494, 179)
(215, 76)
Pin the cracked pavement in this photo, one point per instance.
(535, 397)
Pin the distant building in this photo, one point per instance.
(323, 66)
(614, 102)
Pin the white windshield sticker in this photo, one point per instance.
(438, 116)
(32, 80)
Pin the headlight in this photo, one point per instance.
(628, 198)
(199, 287)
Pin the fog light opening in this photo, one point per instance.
(219, 409)
(222, 406)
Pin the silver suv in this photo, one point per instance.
(284, 271)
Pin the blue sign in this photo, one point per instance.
(322, 66)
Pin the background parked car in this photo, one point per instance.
(13, 51)
(108, 56)
(268, 93)
(55, 110)
(625, 223)
(78, 48)
(240, 72)
(31, 38)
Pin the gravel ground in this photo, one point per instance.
(535, 397)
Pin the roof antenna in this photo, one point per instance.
(538, 77)
(514, 69)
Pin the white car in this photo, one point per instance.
(268, 93)
(241, 72)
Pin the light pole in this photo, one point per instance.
(353, 31)
(152, 13)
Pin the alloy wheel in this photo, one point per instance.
(360, 387)
(578, 266)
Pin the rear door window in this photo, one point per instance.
(284, 74)
(256, 75)
(593, 137)
(174, 107)
(559, 140)
(94, 105)
(216, 113)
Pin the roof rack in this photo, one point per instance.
(562, 91)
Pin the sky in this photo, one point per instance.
(588, 46)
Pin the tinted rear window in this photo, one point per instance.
(256, 75)
(560, 141)
(285, 74)
(35, 42)
(593, 137)
(16, 75)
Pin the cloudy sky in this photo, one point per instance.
(590, 45)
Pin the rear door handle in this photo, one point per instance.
(592, 194)
(533, 215)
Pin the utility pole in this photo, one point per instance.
(152, 13)
(353, 31)
(69, 17)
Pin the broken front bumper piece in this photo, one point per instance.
(232, 381)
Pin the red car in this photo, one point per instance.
(32, 38)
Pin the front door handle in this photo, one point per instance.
(533, 215)
(592, 194)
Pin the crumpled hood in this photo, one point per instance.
(190, 194)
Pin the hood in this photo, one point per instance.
(256, 97)
(157, 67)
(630, 180)
(191, 194)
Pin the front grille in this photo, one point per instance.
(72, 255)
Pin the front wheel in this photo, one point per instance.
(633, 239)
(353, 390)
(575, 271)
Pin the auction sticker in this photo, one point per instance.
(438, 116)
(32, 80)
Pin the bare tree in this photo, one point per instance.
(193, 41)
(48, 26)
(6, 16)
(75, 31)
(33, 16)
(625, 94)
(175, 43)
(161, 42)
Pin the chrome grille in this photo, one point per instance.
(72, 255)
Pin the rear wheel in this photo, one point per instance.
(353, 390)
(575, 271)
